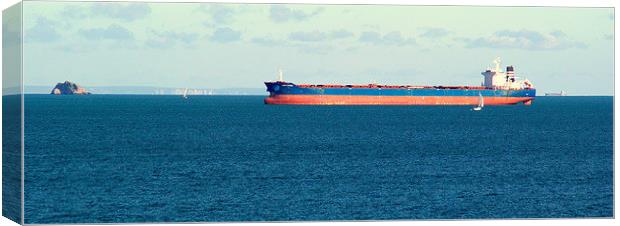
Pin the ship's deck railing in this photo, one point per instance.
(377, 86)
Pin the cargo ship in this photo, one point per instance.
(560, 94)
(498, 88)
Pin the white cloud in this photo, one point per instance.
(391, 38)
(219, 13)
(123, 11)
(44, 30)
(226, 35)
(281, 13)
(112, 32)
(525, 39)
(169, 39)
(434, 32)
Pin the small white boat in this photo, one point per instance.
(480, 103)
(185, 94)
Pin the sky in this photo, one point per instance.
(207, 45)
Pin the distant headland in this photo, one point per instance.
(68, 88)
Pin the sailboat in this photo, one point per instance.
(480, 103)
(185, 94)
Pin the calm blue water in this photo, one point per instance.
(115, 158)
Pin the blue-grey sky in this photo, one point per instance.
(204, 45)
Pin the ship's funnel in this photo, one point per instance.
(510, 71)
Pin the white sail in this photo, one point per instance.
(185, 93)
(480, 103)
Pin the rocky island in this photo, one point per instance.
(68, 88)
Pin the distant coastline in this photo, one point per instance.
(151, 90)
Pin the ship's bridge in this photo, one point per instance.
(494, 78)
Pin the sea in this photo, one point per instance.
(148, 158)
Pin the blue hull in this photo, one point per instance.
(281, 88)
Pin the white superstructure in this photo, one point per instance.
(494, 78)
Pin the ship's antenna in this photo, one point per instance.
(280, 77)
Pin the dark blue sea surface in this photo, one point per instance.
(12, 157)
(132, 158)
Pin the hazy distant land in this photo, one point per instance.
(147, 90)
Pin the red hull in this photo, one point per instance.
(392, 100)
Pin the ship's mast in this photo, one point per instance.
(497, 62)
(280, 77)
